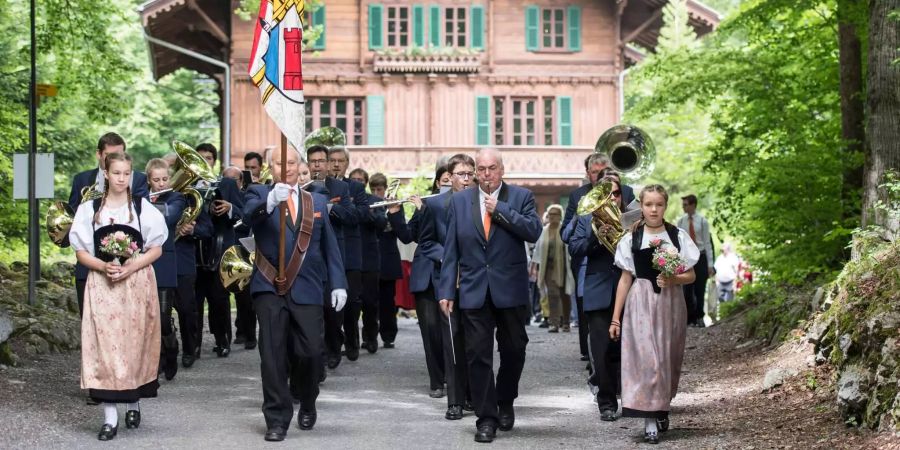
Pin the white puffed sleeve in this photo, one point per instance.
(153, 225)
(81, 235)
(689, 251)
(624, 256)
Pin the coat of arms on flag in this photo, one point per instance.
(275, 65)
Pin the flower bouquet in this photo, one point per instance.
(666, 259)
(120, 245)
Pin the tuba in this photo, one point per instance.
(328, 137)
(59, 221)
(265, 174)
(630, 151)
(604, 211)
(236, 267)
(188, 168)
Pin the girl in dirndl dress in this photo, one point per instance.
(650, 315)
(120, 328)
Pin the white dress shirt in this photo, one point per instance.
(702, 234)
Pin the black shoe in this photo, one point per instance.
(222, 352)
(608, 415)
(486, 433)
(585, 358)
(454, 412)
(506, 417)
(436, 393)
(352, 354)
(107, 432)
(333, 361)
(306, 420)
(187, 360)
(132, 419)
(239, 339)
(171, 369)
(663, 424)
(250, 345)
(275, 434)
(371, 346)
(651, 437)
(544, 324)
(468, 406)
(388, 345)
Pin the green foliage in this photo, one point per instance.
(760, 111)
(676, 33)
(770, 310)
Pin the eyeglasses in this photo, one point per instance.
(464, 175)
(616, 193)
(318, 161)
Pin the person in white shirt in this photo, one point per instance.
(698, 229)
(726, 272)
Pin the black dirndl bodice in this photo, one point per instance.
(643, 257)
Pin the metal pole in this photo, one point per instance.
(226, 95)
(34, 247)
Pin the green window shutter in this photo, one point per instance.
(565, 120)
(376, 41)
(434, 25)
(574, 21)
(532, 27)
(477, 16)
(375, 119)
(482, 120)
(418, 25)
(318, 18)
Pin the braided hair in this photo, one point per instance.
(111, 157)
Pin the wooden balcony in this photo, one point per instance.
(423, 62)
(539, 168)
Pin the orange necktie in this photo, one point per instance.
(691, 231)
(292, 207)
(487, 224)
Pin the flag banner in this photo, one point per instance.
(275, 65)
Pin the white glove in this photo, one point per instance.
(338, 299)
(281, 192)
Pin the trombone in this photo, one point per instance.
(398, 201)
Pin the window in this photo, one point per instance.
(344, 113)
(524, 121)
(398, 26)
(455, 27)
(553, 28)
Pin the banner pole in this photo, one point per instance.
(282, 211)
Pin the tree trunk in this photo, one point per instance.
(852, 102)
(882, 107)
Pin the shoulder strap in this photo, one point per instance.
(672, 230)
(297, 256)
(636, 237)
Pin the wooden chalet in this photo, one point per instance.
(410, 82)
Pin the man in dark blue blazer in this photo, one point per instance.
(108, 143)
(338, 162)
(600, 280)
(432, 235)
(484, 273)
(224, 208)
(595, 165)
(291, 315)
(342, 214)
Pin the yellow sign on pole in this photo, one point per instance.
(46, 90)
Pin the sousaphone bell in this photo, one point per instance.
(236, 267)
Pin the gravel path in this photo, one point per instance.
(379, 401)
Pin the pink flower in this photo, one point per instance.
(672, 251)
(133, 246)
(119, 235)
(680, 269)
(655, 242)
(661, 262)
(104, 241)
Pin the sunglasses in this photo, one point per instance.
(616, 193)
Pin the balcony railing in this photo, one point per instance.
(423, 62)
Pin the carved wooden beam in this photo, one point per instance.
(214, 29)
(642, 27)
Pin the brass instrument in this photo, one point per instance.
(90, 193)
(328, 137)
(59, 221)
(236, 267)
(188, 168)
(599, 204)
(398, 201)
(630, 150)
(265, 174)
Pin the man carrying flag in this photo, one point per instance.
(288, 223)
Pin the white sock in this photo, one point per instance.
(650, 425)
(111, 413)
(136, 406)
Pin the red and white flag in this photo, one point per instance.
(275, 65)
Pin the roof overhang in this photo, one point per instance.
(642, 19)
(202, 26)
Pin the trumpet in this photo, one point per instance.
(398, 201)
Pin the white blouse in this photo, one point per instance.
(625, 259)
(152, 224)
